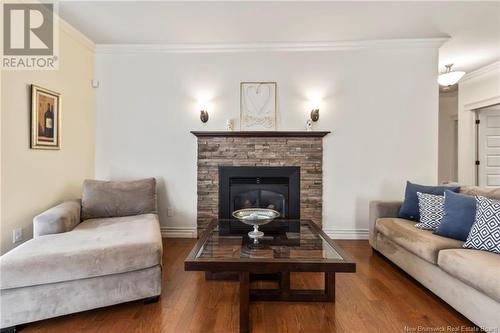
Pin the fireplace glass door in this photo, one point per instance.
(272, 196)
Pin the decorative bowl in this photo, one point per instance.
(255, 217)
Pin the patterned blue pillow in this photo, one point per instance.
(431, 209)
(485, 232)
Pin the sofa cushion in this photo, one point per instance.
(488, 192)
(118, 198)
(95, 247)
(478, 269)
(422, 243)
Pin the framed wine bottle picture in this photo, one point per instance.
(45, 118)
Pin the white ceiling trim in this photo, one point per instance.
(481, 71)
(75, 34)
(271, 47)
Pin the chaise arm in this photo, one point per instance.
(379, 209)
(61, 218)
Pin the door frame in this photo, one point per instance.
(476, 107)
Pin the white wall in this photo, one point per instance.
(477, 89)
(381, 104)
(34, 180)
(448, 116)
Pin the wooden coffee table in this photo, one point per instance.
(228, 253)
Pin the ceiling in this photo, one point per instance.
(474, 27)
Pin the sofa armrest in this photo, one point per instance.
(379, 209)
(61, 218)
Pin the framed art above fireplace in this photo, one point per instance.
(258, 106)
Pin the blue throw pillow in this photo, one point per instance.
(410, 210)
(459, 216)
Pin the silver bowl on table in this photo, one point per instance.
(255, 217)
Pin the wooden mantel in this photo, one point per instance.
(260, 133)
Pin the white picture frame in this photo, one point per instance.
(258, 106)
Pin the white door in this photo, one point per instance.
(489, 147)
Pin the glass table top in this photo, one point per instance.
(299, 241)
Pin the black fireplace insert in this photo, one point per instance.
(277, 188)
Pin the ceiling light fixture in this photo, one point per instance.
(450, 77)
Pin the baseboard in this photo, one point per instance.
(182, 232)
(347, 233)
(178, 232)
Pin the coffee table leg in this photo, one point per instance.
(330, 286)
(244, 302)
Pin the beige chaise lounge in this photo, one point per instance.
(112, 256)
(468, 280)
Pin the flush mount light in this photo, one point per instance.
(450, 77)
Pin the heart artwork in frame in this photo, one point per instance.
(258, 106)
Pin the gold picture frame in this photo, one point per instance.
(258, 113)
(45, 118)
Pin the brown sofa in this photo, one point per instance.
(468, 280)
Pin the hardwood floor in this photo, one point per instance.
(378, 298)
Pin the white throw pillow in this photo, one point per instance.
(431, 209)
(485, 232)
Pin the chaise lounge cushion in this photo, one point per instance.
(478, 269)
(61, 218)
(422, 243)
(118, 198)
(95, 247)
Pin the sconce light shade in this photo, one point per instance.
(315, 114)
(204, 116)
(449, 77)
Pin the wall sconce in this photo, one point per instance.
(314, 115)
(204, 116)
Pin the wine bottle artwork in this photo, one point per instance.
(49, 122)
(45, 118)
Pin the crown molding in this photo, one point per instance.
(70, 30)
(75, 34)
(271, 46)
(481, 71)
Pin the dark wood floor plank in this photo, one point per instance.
(379, 297)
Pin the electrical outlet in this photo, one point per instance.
(17, 235)
(170, 212)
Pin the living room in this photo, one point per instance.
(250, 166)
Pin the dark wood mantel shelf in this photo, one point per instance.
(260, 133)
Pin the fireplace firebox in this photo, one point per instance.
(277, 188)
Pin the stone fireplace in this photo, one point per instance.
(283, 169)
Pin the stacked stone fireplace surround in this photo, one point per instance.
(305, 152)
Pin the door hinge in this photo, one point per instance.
(478, 122)
(478, 162)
